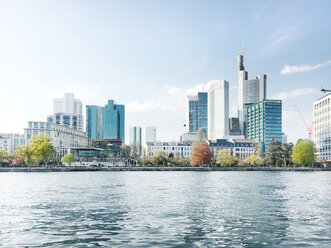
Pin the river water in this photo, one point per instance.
(165, 209)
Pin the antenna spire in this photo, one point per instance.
(243, 47)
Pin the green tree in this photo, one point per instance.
(27, 153)
(68, 158)
(274, 153)
(287, 153)
(160, 158)
(45, 151)
(125, 151)
(254, 160)
(304, 152)
(134, 148)
(257, 148)
(224, 158)
(3, 156)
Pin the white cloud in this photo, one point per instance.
(302, 68)
(295, 93)
(283, 34)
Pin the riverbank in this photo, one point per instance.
(73, 169)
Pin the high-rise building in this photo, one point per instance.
(150, 134)
(106, 122)
(264, 122)
(113, 121)
(68, 104)
(73, 121)
(135, 138)
(197, 112)
(94, 126)
(234, 126)
(218, 109)
(249, 91)
(322, 127)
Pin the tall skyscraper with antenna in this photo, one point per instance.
(249, 91)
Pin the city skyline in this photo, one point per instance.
(100, 61)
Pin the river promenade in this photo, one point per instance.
(73, 169)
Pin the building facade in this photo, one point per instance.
(94, 124)
(250, 92)
(180, 149)
(264, 122)
(322, 127)
(234, 128)
(68, 104)
(10, 141)
(73, 121)
(239, 148)
(197, 112)
(218, 109)
(135, 139)
(62, 137)
(106, 122)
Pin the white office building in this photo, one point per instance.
(239, 148)
(73, 121)
(322, 127)
(135, 138)
(249, 92)
(150, 134)
(218, 109)
(10, 141)
(62, 137)
(180, 149)
(68, 104)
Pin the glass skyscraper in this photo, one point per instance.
(106, 122)
(250, 92)
(94, 124)
(197, 112)
(264, 122)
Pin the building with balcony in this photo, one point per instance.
(62, 137)
(10, 141)
(73, 121)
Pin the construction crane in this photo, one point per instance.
(310, 129)
(324, 90)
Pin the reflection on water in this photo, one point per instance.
(166, 209)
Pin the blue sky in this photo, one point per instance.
(149, 54)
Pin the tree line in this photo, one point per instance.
(279, 155)
(39, 151)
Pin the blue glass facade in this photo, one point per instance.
(264, 122)
(106, 122)
(193, 116)
(198, 113)
(94, 126)
(203, 111)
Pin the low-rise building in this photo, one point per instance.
(239, 148)
(10, 141)
(180, 149)
(62, 137)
